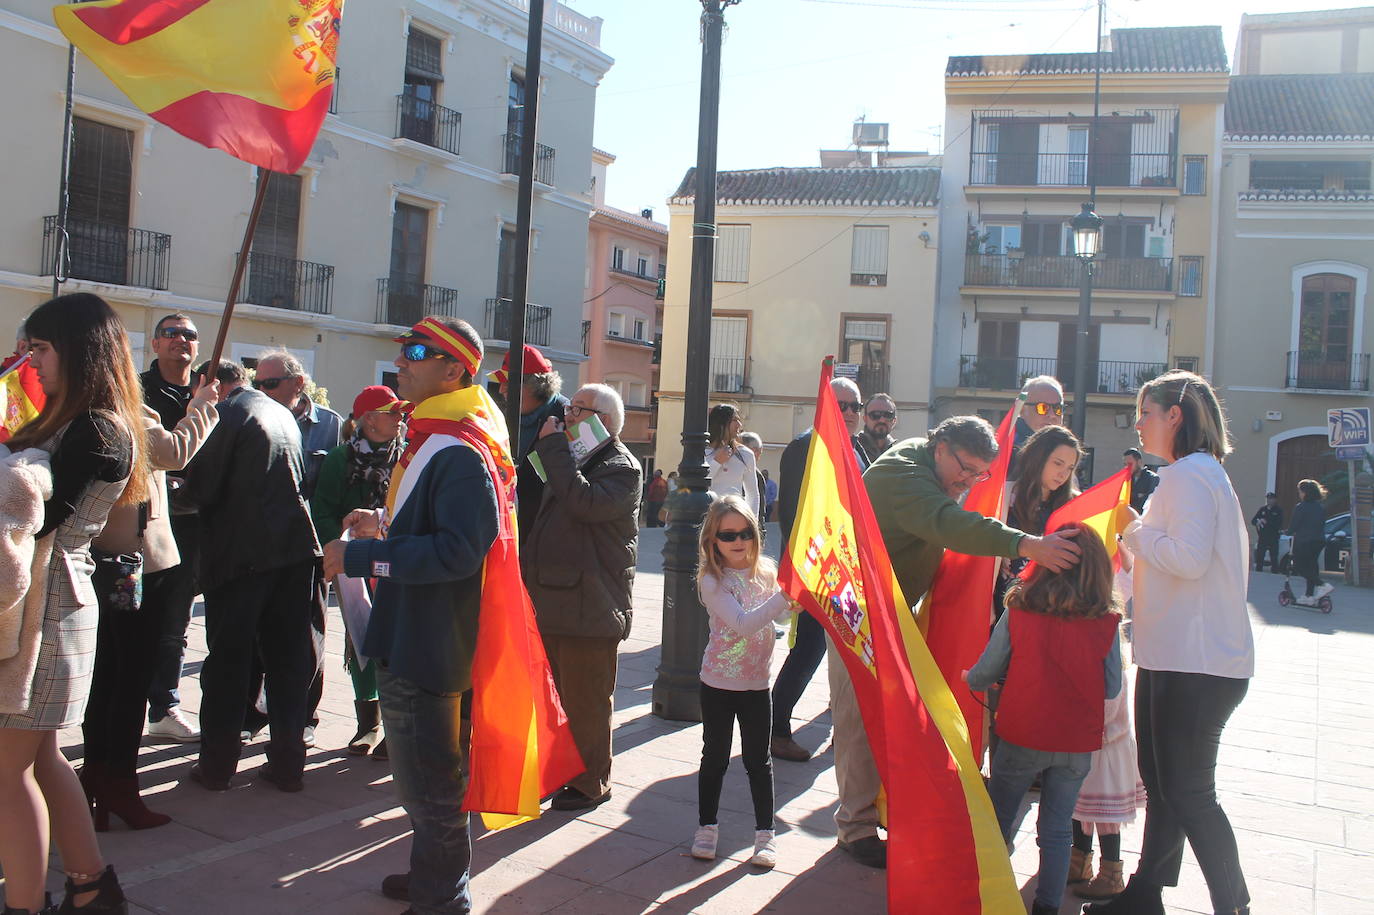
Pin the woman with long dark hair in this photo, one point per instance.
(732, 466)
(1044, 482)
(1308, 528)
(89, 426)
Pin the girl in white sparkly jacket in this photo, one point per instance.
(739, 589)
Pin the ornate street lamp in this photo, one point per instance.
(1087, 241)
(1087, 232)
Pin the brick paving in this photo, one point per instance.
(1296, 776)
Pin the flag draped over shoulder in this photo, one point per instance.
(522, 746)
(1102, 508)
(251, 77)
(21, 396)
(945, 851)
(957, 612)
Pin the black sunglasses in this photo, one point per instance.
(732, 536)
(268, 384)
(876, 415)
(850, 406)
(419, 352)
(189, 334)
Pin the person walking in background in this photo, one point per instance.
(770, 496)
(1058, 647)
(1189, 576)
(1268, 524)
(739, 589)
(1143, 479)
(654, 497)
(89, 425)
(579, 567)
(355, 475)
(1308, 528)
(732, 467)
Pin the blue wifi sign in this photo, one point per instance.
(1348, 427)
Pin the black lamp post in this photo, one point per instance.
(676, 694)
(1087, 240)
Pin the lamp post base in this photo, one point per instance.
(677, 689)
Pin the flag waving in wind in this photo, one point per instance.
(945, 851)
(251, 77)
(1102, 508)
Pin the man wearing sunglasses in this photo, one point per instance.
(282, 377)
(1044, 406)
(915, 489)
(880, 418)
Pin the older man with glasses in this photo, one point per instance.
(282, 377)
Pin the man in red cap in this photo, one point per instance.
(540, 398)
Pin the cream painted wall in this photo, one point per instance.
(1301, 52)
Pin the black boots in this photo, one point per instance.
(369, 734)
(1139, 898)
(109, 899)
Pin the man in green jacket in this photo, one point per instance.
(914, 488)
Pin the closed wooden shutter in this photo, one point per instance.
(869, 256)
(732, 254)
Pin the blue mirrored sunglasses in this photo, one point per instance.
(419, 352)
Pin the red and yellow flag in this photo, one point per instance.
(250, 77)
(957, 612)
(21, 396)
(945, 851)
(1102, 508)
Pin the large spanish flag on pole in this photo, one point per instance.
(21, 396)
(945, 851)
(250, 77)
(957, 612)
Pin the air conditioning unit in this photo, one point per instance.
(728, 382)
(869, 134)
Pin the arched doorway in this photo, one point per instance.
(1309, 457)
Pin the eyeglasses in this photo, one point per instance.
(269, 384)
(576, 411)
(978, 475)
(732, 536)
(877, 415)
(850, 406)
(419, 352)
(1044, 409)
(189, 334)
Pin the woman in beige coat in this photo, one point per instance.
(126, 641)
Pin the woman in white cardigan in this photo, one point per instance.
(731, 465)
(1192, 643)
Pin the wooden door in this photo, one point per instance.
(1017, 146)
(1308, 457)
(1068, 346)
(1112, 158)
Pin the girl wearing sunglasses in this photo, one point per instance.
(739, 588)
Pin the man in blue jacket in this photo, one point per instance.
(439, 524)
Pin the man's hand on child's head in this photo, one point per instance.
(1055, 552)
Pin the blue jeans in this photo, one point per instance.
(1061, 775)
(422, 736)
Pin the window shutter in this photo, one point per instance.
(870, 250)
(732, 254)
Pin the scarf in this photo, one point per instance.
(369, 466)
(522, 746)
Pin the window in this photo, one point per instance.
(865, 345)
(423, 76)
(505, 265)
(1195, 175)
(617, 258)
(1327, 315)
(1186, 363)
(1078, 155)
(729, 353)
(662, 269)
(273, 268)
(635, 394)
(409, 236)
(1280, 174)
(642, 265)
(999, 345)
(1001, 239)
(1123, 239)
(732, 254)
(1190, 276)
(639, 329)
(615, 324)
(100, 193)
(515, 104)
(868, 259)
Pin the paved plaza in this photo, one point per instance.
(1296, 776)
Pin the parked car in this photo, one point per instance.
(1339, 536)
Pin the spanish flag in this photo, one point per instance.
(945, 851)
(957, 612)
(1103, 508)
(250, 77)
(21, 396)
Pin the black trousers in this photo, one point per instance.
(1270, 548)
(171, 608)
(1179, 718)
(1305, 563)
(127, 646)
(797, 671)
(720, 708)
(267, 613)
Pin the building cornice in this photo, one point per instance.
(1233, 142)
(33, 28)
(877, 210)
(508, 24)
(1188, 87)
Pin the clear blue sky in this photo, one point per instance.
(797, 73)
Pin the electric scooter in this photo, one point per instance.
(1288, 596)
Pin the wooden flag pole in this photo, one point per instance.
(239, 263)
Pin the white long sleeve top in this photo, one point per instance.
(738, 476)
(1191, 570)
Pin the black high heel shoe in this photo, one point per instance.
(109, 899)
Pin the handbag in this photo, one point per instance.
(118, 577)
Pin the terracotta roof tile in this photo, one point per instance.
(1325, 106)
(1188, 49)
(892, 187)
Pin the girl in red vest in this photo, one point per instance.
(1057, 646)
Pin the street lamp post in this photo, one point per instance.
(1087, 239)
(677, 690)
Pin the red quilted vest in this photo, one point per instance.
(1055, 690)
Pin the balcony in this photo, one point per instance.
(1007, 374)
(586, 29)
(1321, 372)
(658, 350)
(614, 337)
(1141, 274)
(405, 300)
(873, 379)
(1137, 149)
(727, 374)
(586, 338)
(425, 122)
(283, 282)
(109, 253)
(538, 318)
(543, 159)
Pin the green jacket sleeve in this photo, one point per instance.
(326, 505)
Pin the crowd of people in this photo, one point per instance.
(143, 491)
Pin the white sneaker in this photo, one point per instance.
(309, 736)
(704, 842)
(174, 727)
(765, 849)
(1323, 589)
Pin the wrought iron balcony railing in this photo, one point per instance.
(1037, 169)
(728, 374)
(586, 338)
(1145, 274)
(538, 318)
(284, 282)
(426, 122)
(109, 253)
(405, 300)
(1008, 374)
(543, 159)
(1328, 371)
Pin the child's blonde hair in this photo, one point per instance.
(1083, 592)
(709, 560)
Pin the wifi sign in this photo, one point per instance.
(1348, 427)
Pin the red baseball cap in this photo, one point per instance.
(536, 363)
(377, 397)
